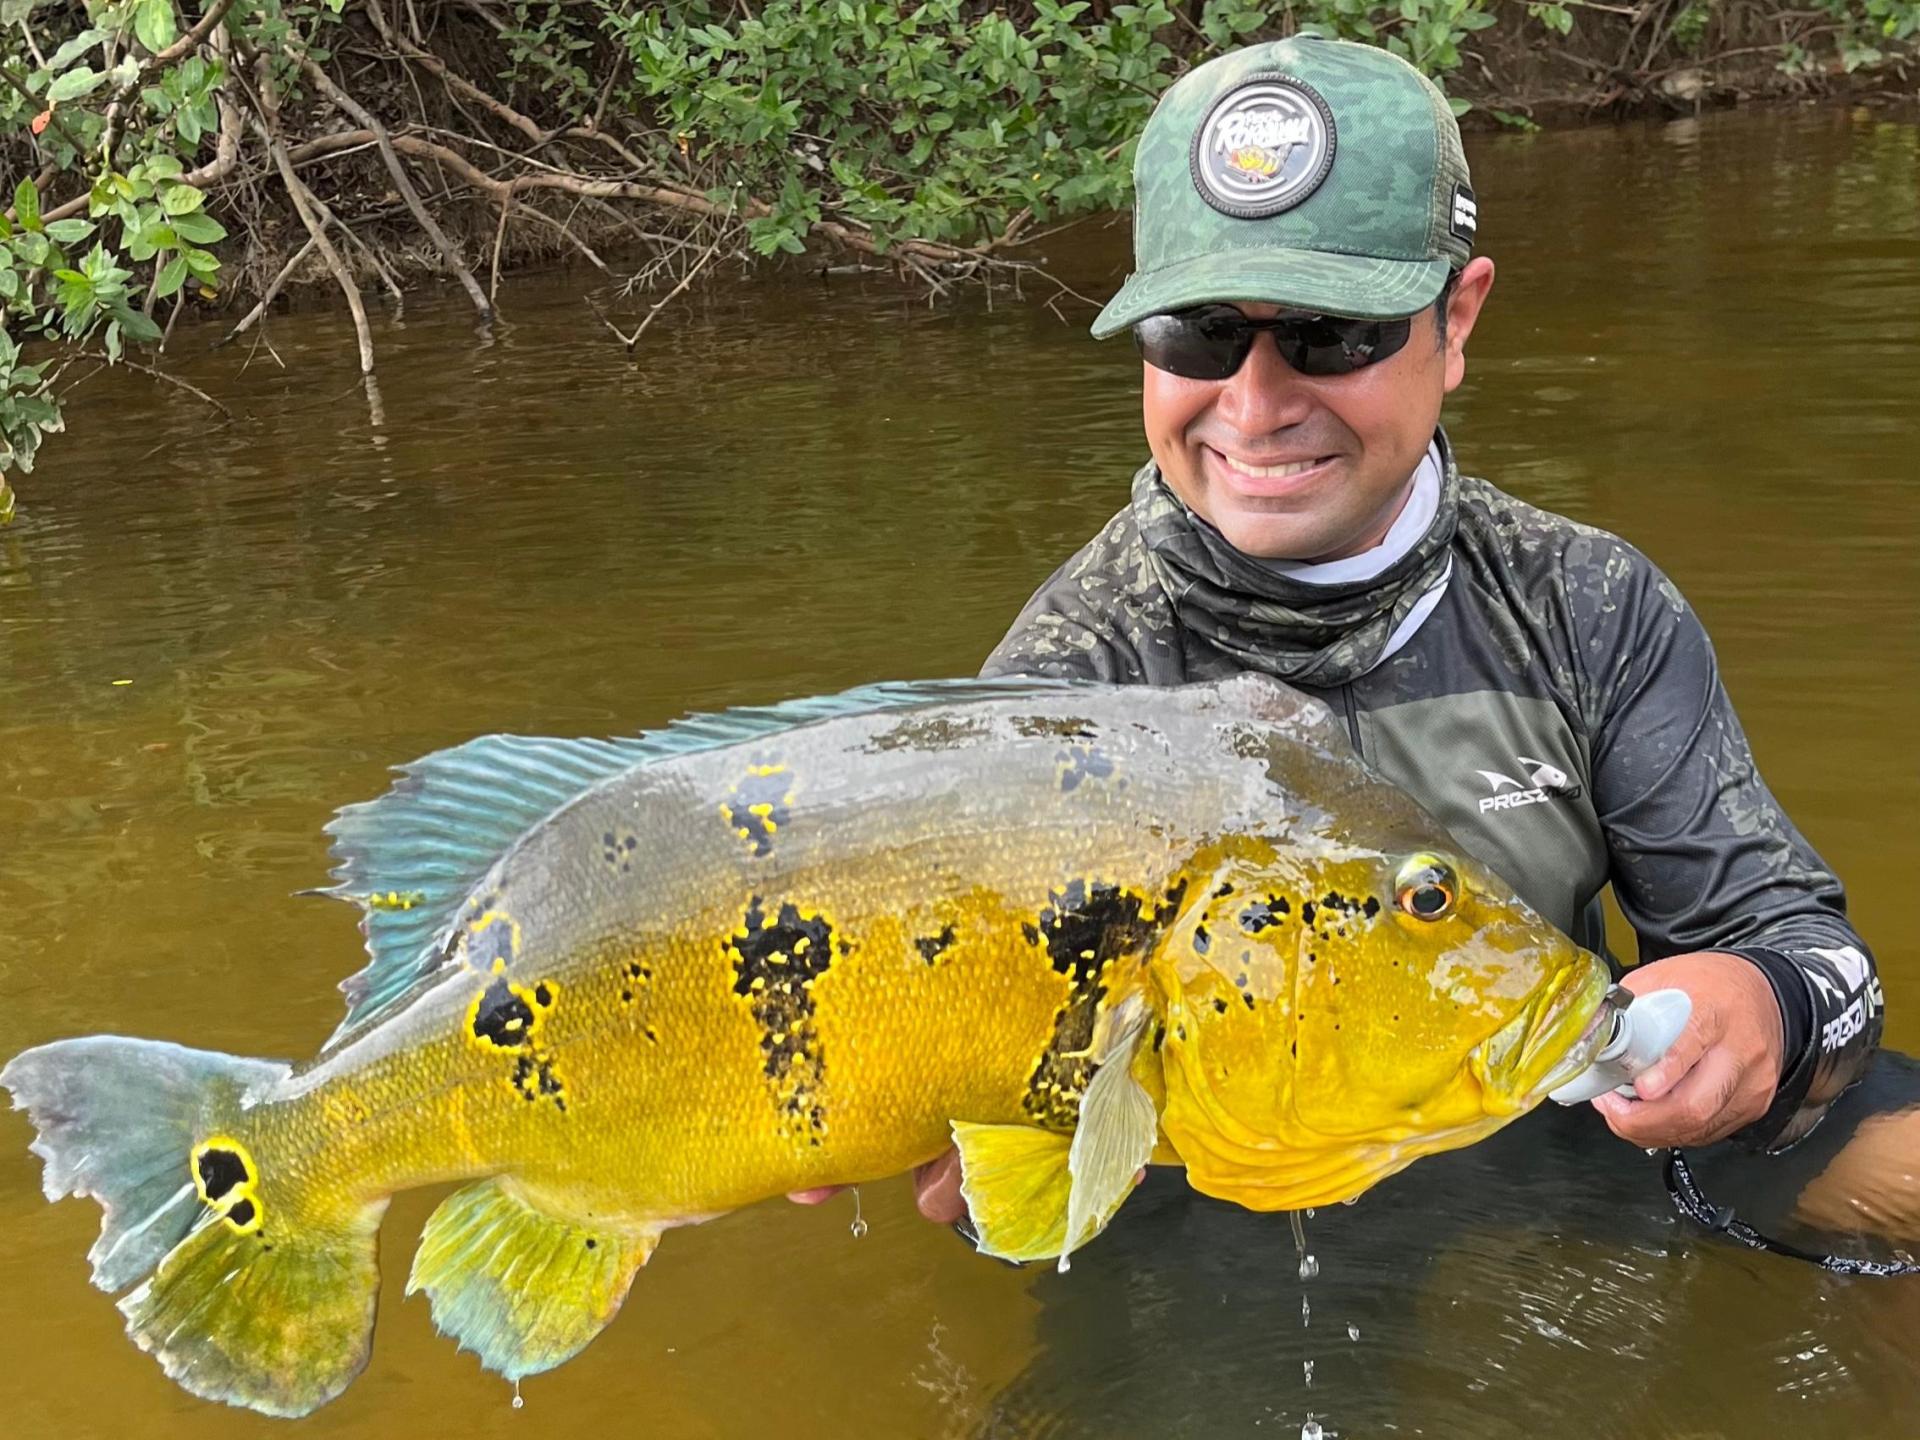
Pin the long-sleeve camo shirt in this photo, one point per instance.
(1561, 711)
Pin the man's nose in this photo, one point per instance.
(1265, 393)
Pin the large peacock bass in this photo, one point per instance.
(625, 985)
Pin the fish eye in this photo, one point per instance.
(1426, 887)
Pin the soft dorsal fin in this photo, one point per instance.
(409, 858)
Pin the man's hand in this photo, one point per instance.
(936, 1189)
(1723, 1069)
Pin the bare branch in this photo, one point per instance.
(448, 254)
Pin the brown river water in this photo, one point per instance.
(1705, 335)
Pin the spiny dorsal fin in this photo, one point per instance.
(409, 858)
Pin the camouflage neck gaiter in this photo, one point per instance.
(1321, 635)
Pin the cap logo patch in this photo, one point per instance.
(1264, 147)
(1466, 213)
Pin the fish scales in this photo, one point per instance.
(1065, 927)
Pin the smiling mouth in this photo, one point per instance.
(1246, 470)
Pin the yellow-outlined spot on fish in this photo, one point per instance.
(483, 950)
(758, 804)
(506, 1017)
(228, 1182)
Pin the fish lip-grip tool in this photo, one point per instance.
(1643, 1028)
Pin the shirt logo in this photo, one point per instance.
(1544, 781)
(1264, 147)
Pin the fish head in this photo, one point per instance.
(1332, 1015)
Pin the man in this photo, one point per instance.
(1538, 684)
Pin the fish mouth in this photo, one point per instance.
(1552, 1039)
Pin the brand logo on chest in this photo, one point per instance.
(1544, 781)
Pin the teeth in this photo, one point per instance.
(1272, 472)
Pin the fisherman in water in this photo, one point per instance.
(1304, 288)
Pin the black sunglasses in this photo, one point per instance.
(1211, 342)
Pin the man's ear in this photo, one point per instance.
(1470, 290)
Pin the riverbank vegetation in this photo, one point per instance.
(171, 155)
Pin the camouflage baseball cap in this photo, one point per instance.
(1316, 174)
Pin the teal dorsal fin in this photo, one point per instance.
(410, 857)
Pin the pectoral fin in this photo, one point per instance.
(521, 1288)
(1115, 1137)
(1034, 1195)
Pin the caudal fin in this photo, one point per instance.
(238, 1302)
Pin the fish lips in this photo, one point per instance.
(1547, 1043)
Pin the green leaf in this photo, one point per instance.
(6, 502)
(181, 200)
(26, 204)
(70, 231)
(74, 49)
(12, 12)
(82, 80)
(1458, 106)
(153, 24)
(172, 276)
(199, 228)
(137, 326)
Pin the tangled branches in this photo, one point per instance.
(168, 159)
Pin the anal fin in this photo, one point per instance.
(1014, 1179)
(1035, 1195)
(522, 1288)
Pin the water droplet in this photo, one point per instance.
(859, 1226)
(1306, 1313)
(1309, 1267)
(1311, 1430)
(1307, 1367)
(517, 1401)
(1299, 1232)
(1309, 1212)
(1351, 1200)
(1353, 1331)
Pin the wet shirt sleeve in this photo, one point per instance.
(1703, 857)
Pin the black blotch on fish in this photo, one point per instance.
(1219, 1006)
(1263, 914)
(1082, 762)
(1307, 914)
(242, 1214)
(756, 807)
(776, 961)
(1371, 908)
(1202, 941)
(617, 850)
(1226, 889)
(938, 733)
(931, 947)
(1085, 928)
(534, 1077)
(220, 1171)
(1057, 727)
(502, 1018)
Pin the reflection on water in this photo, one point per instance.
(1704, 335)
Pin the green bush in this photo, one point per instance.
(941, 130)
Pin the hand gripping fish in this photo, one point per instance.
(619, 986)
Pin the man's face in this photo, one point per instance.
(1298, 467)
